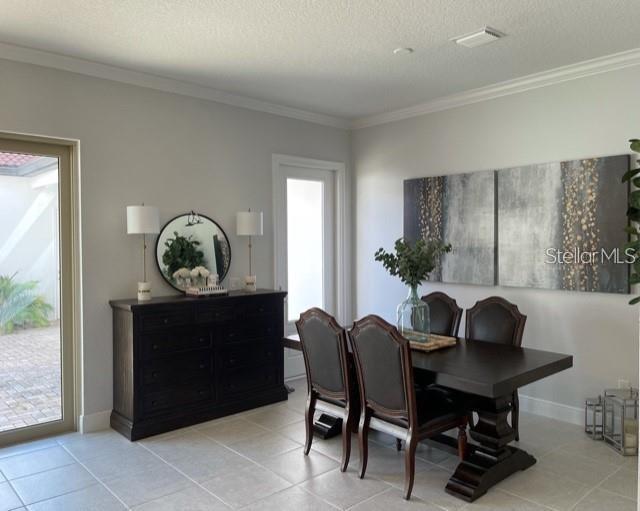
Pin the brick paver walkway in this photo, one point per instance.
(29, 377)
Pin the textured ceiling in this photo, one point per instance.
(326, 56)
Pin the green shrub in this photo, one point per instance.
(20, 305)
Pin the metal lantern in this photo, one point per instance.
(621, 420)
(593, 417)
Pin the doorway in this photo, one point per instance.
(36, 300)
(309, 248)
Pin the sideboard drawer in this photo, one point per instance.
(249, 330)
(216, 313)
(175, 340)
(163, 372)
(166, 319)
(245, 379)
(249, 355)
(258, 306)
(154, 402)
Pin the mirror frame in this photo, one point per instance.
(221, 277)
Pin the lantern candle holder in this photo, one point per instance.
(620, 414)
(593, 418)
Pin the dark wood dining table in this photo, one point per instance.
(490, 373)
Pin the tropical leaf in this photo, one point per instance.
(635, 145)
(21, 305)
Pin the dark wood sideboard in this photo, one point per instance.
(182, 360)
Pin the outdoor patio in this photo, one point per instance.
(29, 377)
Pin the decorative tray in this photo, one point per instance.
(432, 342)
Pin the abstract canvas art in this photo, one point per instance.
(458, 209)
(553, 225)
(560, 225)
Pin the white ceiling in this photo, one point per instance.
(327, 56)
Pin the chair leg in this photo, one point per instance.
(515, 414)
(398, 444)
(462, 441)
(308, 421)
(363, 440)
(409, 465)
(346, 440)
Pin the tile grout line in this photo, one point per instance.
(17, 495)
(186, 476)
(95, 477)
(292, 485)
(597, 486)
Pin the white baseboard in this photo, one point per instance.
(94, 421)
(558, 411)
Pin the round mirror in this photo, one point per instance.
(189, 248)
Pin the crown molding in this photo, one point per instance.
(118, 74)
(515, 86)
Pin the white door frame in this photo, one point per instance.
(68, 152)
(342, 220)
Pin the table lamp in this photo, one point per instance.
(143, 220)
(249, 223)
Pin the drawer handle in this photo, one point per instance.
(154, 374)
(201, 340)
(202, 392)
(202, 366)
(155, 346)
(165, 321)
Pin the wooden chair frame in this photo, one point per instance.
(516, 340)
(453, 306)
(412, 434)
(316, 393)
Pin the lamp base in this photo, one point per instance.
(250, 283)
(144, 291)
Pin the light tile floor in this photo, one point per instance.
(254, 461)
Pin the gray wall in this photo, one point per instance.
(592, 116)
(140, 145)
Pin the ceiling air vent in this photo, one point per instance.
(479, 38)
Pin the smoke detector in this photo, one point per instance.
(480, 37)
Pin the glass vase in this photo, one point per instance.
(413, 317)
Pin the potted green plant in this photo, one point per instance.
(181, 252)
(632, 248)
(413, 264)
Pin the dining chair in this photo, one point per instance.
(329, 386)
(444, 313)
(388, 400)
(495, 319)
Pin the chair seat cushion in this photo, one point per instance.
(435, 410)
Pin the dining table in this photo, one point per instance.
(488, 373)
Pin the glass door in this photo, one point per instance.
(36, 385)
(305, 245)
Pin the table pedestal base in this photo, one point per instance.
(327, 426)
(492, 460)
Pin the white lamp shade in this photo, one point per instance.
(143, 220)
(249, 223)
